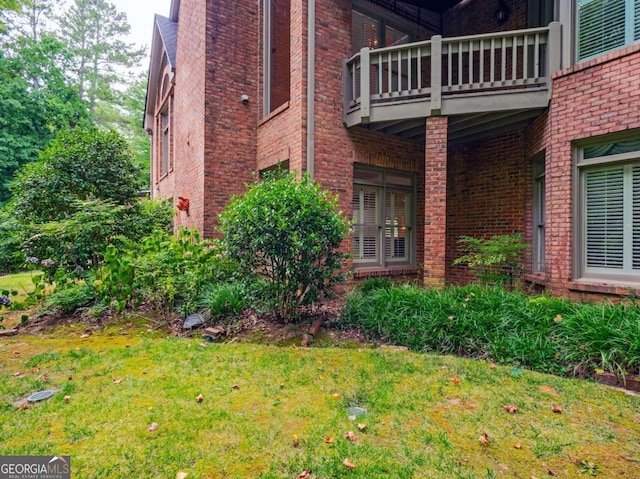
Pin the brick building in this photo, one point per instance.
(430, 119)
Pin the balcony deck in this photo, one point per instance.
(496, 79)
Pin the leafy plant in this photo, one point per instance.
(225, 300)
(288, 232)
(79, 164)
(495, 260)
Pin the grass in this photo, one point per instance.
(20, 282)
(538, 332)
(267, 411)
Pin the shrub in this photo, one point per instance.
(79, 241)
(166, 271)
(79, 164)
(288, 232)
(11, 237)
(543, 333)
(225, 300)
(496, 260)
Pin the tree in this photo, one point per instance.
(94, 30)
(125, 116)
(36, 101)
(7, 5)
(289, 232)
(80, 164)
(29, 19)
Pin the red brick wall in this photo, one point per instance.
(486, 189)
(282, 134)
(337, 148)
(231, 70)
(189, 117)
(595, 98)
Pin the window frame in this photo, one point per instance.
(384, 20)
(581, 167)
(538, 223)
(381, 189)
(163, 160)
(629, 31)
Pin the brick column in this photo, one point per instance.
(435, 201)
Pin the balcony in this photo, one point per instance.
(482, 81)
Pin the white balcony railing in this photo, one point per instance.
(424, 76)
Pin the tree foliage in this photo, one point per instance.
(289, 232)
(94, 30)
(36, 101)
(83, 163)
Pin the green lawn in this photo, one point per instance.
(20, 282)
(266, 412)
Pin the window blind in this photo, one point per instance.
(601, 26)
(604, 191)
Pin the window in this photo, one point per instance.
(383, 218)
(610, 210)
(538, 214)
(277, 53)
(374, 32)
(605, 25)
(164, 120)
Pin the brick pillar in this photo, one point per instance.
(435, 201)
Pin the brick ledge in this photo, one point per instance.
(585, 286)
(536, 278)
(607, 57)
(274, 113)
(376, 272)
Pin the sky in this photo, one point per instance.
(140, 15)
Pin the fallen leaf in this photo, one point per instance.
(350, 435)
(305, 474)
(556, 408)
(492, 366)
(66, 398)
(484, 439)
(235, 386)
(17, 373)
(15, 352)
(295, 439)
(362, 427)
(294, 347)
(203, 345)
(349, 464)
(518, 445)
(153, 427)
(510, 408)
(329, 440)
(24, 407)
(321, 377)
(351, 417)
(336, 395)
(558, 318)
(117, 380)
(455, 380)
(181, 475)
(281, 385)
(200, 398)
(552, 473)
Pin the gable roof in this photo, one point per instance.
(165, 33)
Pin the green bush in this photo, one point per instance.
(289, 233)
(79, 164)
(539, 332)
(168, 272)
(11, 238)
(496, 260)
(78, 242)
(225, 300)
